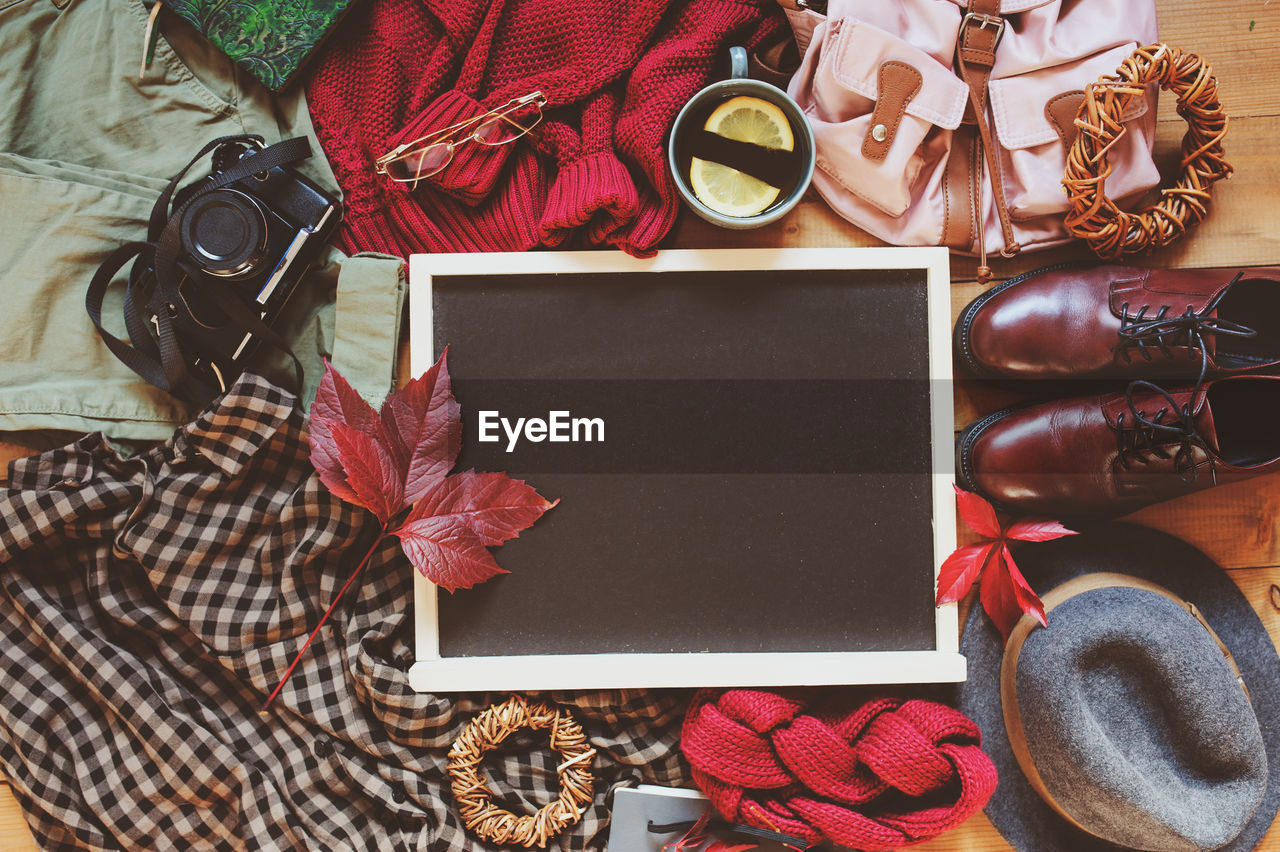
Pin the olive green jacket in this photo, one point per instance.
(86, 146)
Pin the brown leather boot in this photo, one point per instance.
(1121, 322)
(1113, 453)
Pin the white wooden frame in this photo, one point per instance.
(433, 673)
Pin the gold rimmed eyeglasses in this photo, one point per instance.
(427, 155)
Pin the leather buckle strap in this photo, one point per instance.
(980, 33)
(983, 21)
(981, 29)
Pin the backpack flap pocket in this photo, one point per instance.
(1034, 116)
(875, 104)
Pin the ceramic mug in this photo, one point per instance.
(694, 113)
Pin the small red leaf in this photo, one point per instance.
(1037, 529)
(494, 505)
(371, 473)
(997, 598)
(1006, 596)
(336, 402)
(423, 430)
(962, 567)
(977, 513)
(448, 555)
(1028, 601)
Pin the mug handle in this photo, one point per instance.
(737, 63)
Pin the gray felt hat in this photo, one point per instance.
(1134, 721)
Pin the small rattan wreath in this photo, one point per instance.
(473, 796)
(1093, 217)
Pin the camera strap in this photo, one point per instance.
(155, 326)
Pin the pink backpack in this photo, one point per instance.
(946, 122)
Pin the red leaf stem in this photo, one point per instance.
(289, 671)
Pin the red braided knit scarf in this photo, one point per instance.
(878, 774)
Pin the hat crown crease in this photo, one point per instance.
(1137, 725)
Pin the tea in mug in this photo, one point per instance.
(740, 155)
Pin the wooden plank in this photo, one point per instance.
(14, 834)
(976, 835)
(9, 452)
(1240, 40)
(1235, 524)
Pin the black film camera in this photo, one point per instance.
(223, 255)
(256, 235)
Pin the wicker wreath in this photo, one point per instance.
(473, 796)
(1110, 231)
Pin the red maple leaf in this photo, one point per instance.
(395, 462)
(1005, 593)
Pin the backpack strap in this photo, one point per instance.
(980, 31)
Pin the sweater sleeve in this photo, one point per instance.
(593, 193)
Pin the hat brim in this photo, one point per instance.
(1024, 820)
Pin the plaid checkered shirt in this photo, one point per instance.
(150, 603)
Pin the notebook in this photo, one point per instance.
(271, 39)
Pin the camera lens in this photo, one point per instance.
(225, 231)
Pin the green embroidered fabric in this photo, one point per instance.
(271, 39)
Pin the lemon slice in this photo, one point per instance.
(724, 189)
(753, 120)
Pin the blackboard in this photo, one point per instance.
(754, 474)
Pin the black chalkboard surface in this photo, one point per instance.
(743, 445)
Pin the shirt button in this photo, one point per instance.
(323, 748)
(398, 797)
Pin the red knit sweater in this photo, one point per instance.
(615, 73)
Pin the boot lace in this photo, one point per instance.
(1160, 331)
(1141, 438)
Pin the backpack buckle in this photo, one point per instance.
(983, 21)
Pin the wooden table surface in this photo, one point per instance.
(1236, 524)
